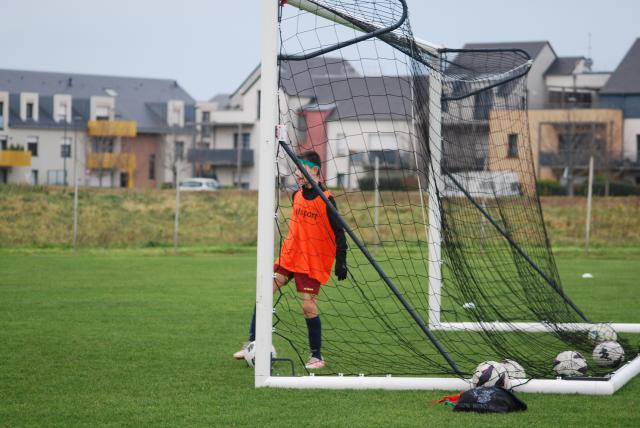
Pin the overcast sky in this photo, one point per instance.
(210, 46)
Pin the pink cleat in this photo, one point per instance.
(314, 363)
(239, 355)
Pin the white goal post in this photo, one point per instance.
(265, 250)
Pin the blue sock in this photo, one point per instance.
(315, 336)
(252, 328)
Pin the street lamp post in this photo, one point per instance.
(64, 150)
(75, 183)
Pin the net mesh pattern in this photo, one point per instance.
(369, 110)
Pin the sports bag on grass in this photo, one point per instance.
(489, 399)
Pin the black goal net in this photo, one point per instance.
(426, 154)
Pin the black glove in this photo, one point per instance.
(341, 268)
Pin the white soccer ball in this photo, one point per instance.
(570, 363)
(608, 354)
(491, 373)
(250, 353)
(515, 370)
(599, 333)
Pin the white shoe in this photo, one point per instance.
(314, 363)
(239, 355)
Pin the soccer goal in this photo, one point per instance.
(425, 150)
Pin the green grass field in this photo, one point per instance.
(139, 338)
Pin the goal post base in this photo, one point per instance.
(543, 386)
(528, 327)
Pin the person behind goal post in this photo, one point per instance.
(314, 241)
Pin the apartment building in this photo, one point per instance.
(622, 92)
(123, 131)
(574, 113)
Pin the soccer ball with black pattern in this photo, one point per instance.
(570, 363)
(250, 354)
(515, 370)
(602, 333)
(608, 354)
(491, 373)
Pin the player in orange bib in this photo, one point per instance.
(315, 240)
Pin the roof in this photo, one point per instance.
(626, 77)
(139, 99)
(248, 81)
(300, 77)
(362, 98)
(222, 100)
(531, 48)
(564, 66)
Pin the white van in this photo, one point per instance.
(483, 184)
(199, 185)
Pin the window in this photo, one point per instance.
(259, 96)
(3, 143)
(34, 176)
(1, 115)
(63, 112)
(176, 114)
(512, 150)
(191, 184)
(482, 105)
(103, 145)
(341, 145)
(179, 150)
(380, 141)
(246, 140)
(302, 123)
(152, 166)
(206, 129)
(55, 177)
(102, 113)
(65, 149)
(32, 145)
(29, 111)
(445, 106)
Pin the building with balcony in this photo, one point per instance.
(572, 116)
(123, 131)
(574, 112)
(622, 91)
(228, 135)
(340, 131)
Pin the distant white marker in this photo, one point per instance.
(587, 276)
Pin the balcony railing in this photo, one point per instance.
(221, 157)
(570, 106)
(14, 158)
(112, 128)
(123, 161)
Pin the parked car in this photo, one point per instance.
(199, 185)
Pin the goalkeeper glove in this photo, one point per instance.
(341, 269)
